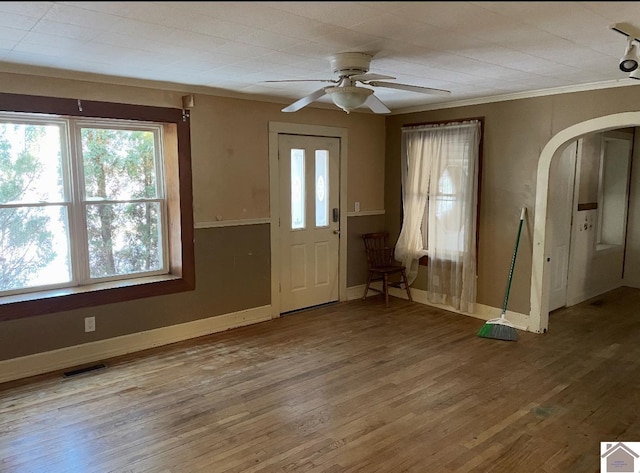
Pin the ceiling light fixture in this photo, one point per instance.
(629, 62)
(348, 97)
(635, 74)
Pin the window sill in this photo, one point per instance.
(58, 300)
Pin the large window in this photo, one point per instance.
(444, 225)
(92, 210)
(440, 186)
(74, 212)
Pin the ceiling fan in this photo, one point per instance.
(352, 68)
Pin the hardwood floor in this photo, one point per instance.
(351, 387)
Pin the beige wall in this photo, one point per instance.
(230, 161)
(230, 180)
(231, 165)
(224, 256)
(515, 133)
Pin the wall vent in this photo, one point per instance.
(86, 369)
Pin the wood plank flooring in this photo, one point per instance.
(351, 387)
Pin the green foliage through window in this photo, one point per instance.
(74, 213)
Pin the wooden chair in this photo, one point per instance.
(381, 265)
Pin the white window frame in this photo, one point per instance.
(432, 203)
(76, 202)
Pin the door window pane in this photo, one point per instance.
(297, 189)
(322, 188)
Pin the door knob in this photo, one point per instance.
(337, 232)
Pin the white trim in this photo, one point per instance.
(51, 293)
(77, 355)
(276, 128)
(365, 213)
(355, 292)
(274, 190)
(518, 95)
(233, 223)
(486, 312)
(216, 92)
(540, 271)
(483, 312)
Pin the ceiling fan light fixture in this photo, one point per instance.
(348, 98)
(629, 62)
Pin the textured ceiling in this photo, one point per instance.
(480, 51)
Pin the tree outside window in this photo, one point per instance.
(76, 213)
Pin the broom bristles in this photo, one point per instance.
(499, 330)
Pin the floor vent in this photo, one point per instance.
(86, 369)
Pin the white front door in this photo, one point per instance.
(561, 196)
(309, 220)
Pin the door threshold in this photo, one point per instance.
(304, 309)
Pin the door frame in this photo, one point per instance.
(540, 271)
(573, 188)
(281, 128)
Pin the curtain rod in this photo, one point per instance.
(428, 127)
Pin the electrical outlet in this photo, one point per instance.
(89, 324)
(357, 207)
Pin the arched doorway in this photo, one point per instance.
(540, 274)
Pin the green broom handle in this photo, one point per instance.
(513, 263)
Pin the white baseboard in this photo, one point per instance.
(483, 312)
(355, 292)
(39, 363)
(54, 360)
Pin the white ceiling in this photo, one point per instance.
(480, 51)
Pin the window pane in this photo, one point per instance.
(30, 163)
(34, 248)
(124, 238)
(612, 189)
(297, 189)
(118, 164)
(322, 188)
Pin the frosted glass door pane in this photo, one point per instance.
(322, 188)
(297, 189)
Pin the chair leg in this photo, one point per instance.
(385, 287)
(366, 289)
(406, 284)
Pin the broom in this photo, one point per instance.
(501, 328)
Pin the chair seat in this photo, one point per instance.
(387, 269)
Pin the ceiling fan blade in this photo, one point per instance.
(304, 101)
(304, 80)
(410, 88)
(370, 76)
(376, 105)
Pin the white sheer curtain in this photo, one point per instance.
(439, 198)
